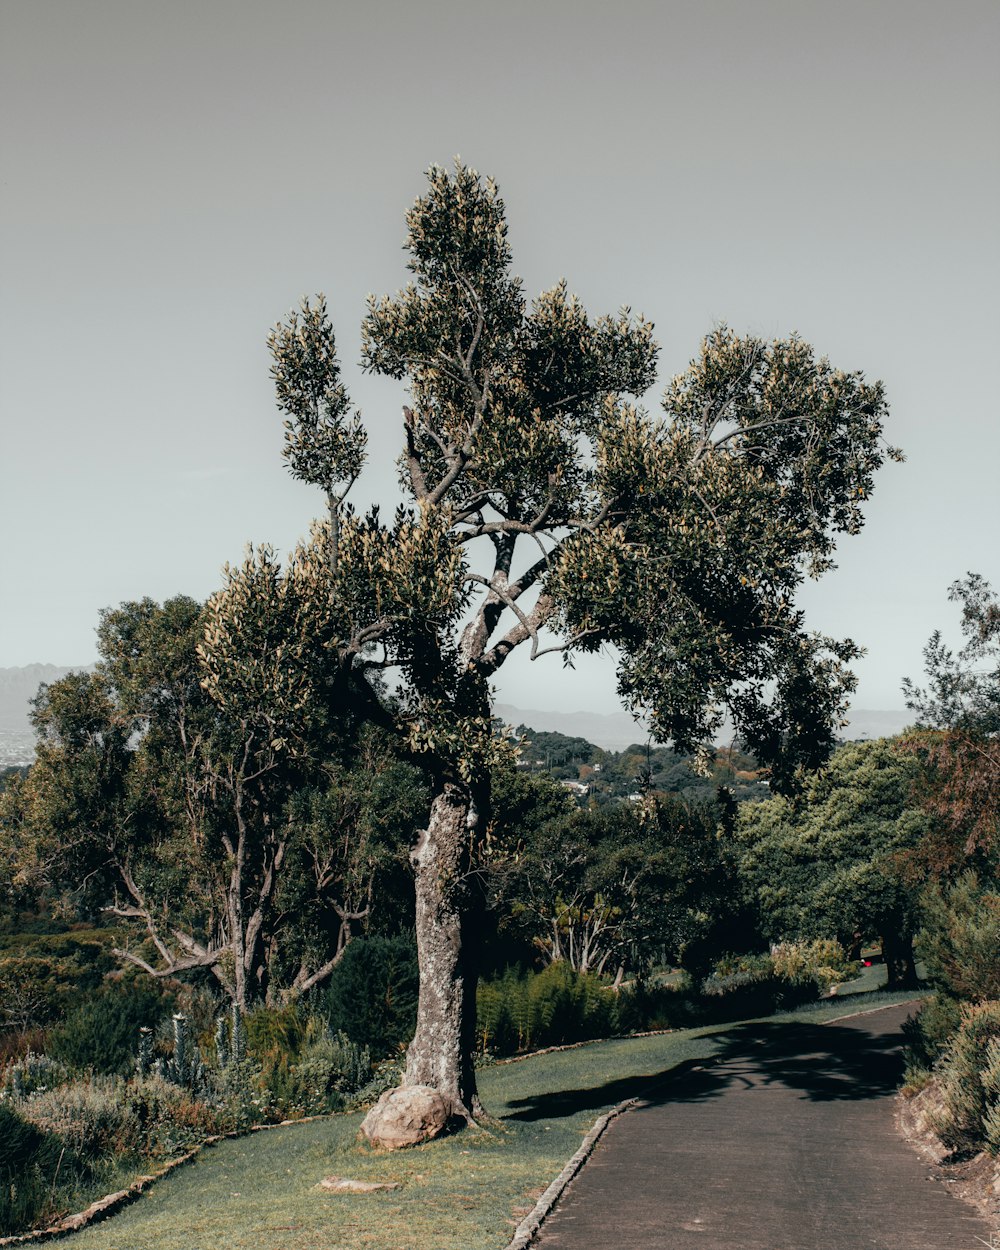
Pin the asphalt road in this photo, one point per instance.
(786, 1141)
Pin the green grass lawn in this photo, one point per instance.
(465, 1192)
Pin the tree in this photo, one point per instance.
(614, 888)
(956, 737)
(207, 799)
(963, 688)
(832, 862)
(546, 510)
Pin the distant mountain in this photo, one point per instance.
(865, 723)
(18, 686)
(614, 731)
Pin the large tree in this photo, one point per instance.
(234, 834)
(547, 511)
(833, 861)
(958, 719)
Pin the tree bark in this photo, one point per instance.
(440, 1054)
(901, 970)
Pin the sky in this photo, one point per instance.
(175, 177)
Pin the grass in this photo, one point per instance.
(462, 1193)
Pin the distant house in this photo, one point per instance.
(576, 787)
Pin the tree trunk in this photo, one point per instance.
(440, 1054)
(901, 971)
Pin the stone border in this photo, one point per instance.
(532, 1222)
(111, 1203)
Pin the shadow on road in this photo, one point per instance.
(824, 1062)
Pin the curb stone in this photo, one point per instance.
(532, 1222)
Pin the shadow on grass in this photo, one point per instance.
(825, 1062)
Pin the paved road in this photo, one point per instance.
(784, 1142)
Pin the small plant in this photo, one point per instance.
(29, 1164)
(185, 1066)
(230, 1038)
(991, 1087)
(33, 1074)
(523, 1012)
(91, 1117)
(329, 1070)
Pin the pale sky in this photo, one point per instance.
(176, 176)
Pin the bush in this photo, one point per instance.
(822, 960)
(29, 1163)
(90, 1117)
(749, 985)
(968, 1077)
(101, 1033)
(328, 1071)
(372, 993)
(991, 1086)
(522, 1012)
(644, 1006)
(927, 1035)
(33, 1073)
(961, 937)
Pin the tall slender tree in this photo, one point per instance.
(548, 511)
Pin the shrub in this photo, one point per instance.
(386, 1074)
(643, 1006)
(29, 1165)
(749, 985)
(328, 1071)
(372, 993)
(991, 1087)
(960, 938)
(927, 1035)
(968, 1077)
(521, 1012)
(90, 1117)
(822, 960)
(100, 1034)
(33, 1073)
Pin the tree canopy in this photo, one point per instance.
(216, 813)
(544, 508)
(832, 862)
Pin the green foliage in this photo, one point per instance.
(185, 1067)
(681, 540)
(372, 993)
(961, 937)
(963, 691)
(525, 1011)
(322, 447)
(618, 886)
(927, 1035)
(198, 780)
(100, 1034)
(33, 1073)
(990, 1078)
(967, 1079)
(830, 863)
(89, 1117)
(29, 1159)
(822, 960)
(327, 1073)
